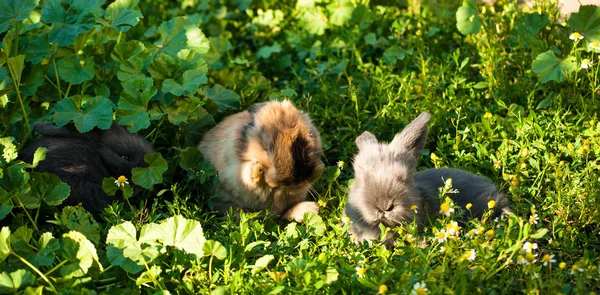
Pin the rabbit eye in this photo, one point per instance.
(390, 207)
(125, 157)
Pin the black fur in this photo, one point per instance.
(83, 160)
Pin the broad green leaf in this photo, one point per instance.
(80, 253)
(266, 51)
(214, 248)
(262, 263)
(191, 80)
(123, 15)
(587, 23)
(6, 203)
(38, 156)
(539, 234)
(223, 97)
(133, 104)
(394, 53)
(15, 179)
(149, 276)
(340, 12)
(191, 158)
(314, 21)
(15, 10)
(163, 67)
(314, 224)
(47, 188)
(110, 187)
(5, 244)
(548, 67)
(133, 56)
(16, 67)
(529, 26)
(47, 248)
(95, 112)
(119, 238)
(74, 71)
(33, 79)
(182, 74)
(69, 19)
(38, 49)
(13, 281)
(181, 233)
(467, 20)
(151, 175)
(181, 33)
(77, 218)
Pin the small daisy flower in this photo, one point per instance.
(491, 204)
(442, 249)
(441, 236)
(471, 255)
(486, 245)
(576, 268)
(528, 247)
(414, 208)
(521, 260)
(360, 272)
(497, 164)
(419, 288)
(346, 220)
(594, 46)
(530, 257)
(490, 234)
(340, 164)
(382, 289)
(469, 206)
(452, 228)
(409, 238)
(576, 36)
(121, 181)
(548, 259)
(446, 209)
(471, 233)
(533, 219)
(586, 63)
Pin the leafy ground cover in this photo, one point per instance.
(511, 89)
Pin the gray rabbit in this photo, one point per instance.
(387, 186)
(83, 160)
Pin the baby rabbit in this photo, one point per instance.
(386, 185)
(83, 160)
(269, 154)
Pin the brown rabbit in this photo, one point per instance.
(269, 154)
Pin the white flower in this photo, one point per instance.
(360, 272)
(419, 288)
(340, 164)
(346, 220)
(547, 259)
(521, 260)
(586, 63)
(442, 249)
(441, 236)
(594, 46)
(576, 36)
(121, 181)
(471, 255)
(533, 219)
(529, 247)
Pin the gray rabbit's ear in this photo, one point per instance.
(410, 142)
(253, 109)
(49, 129)
(366, 138)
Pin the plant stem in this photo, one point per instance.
(35, 269)
(28, 215)
(57, 79)
(13, 76)
(56, 267)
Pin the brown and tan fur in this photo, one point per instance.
(266, 156)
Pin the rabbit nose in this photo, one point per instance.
(380, 214)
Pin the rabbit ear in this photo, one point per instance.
(365, 139)
(411, 140)
(49, 129)
(253, 109)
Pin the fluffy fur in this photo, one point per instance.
(83, 160)
(386, 185)
(268, 155)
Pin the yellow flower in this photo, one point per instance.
(487, 115)
(497, 164)
(446, 209)
(594, 45)
(121, 181)
(547, 259)
(469, 206)
(562, 265)
(360, 272)
(530, 257)
(383, 289)
(409, 238)
(414, 208)
(345, 219)
(419, 288)
(491, 204)
(490, 233)
(576, 36)
(448, 183)
(340, 164)
(586, 63)
(441, 236)
(452, 228)
(470, 255)
(321, 203)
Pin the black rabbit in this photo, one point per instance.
(83, 160)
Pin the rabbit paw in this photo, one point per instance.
(252, 173)
(296, 213)
(256, 172)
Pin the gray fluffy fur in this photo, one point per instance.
(387, 185)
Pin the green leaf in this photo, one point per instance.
(77, 218)
(16, 68)
(180, 75)
(314, 224)
(133, 56)
(183, 234)
(69, 19)
(72, 71)
(394, 53)
(34, 78)
(262, 263)
(181, 33)
(314, 21)
(12, 282)
(6, 203)
(467, 19)
(95, 112)
(15, 11)
(340, 12)
(5, 249)
(550, 68)
(133, 104)
(110, 187)
(126, 251)
(47, 248)
(123, 15)
(214, 248)
(38, 156)
(38, 49)
(586, 22)
(80, 253)
(223, 97)
(331, 173)
(266, 51)
(539, 234)
(151, 175)
(15, 180)
(47, 188)
(191, 158)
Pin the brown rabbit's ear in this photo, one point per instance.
(366, 138)
(410, 142)
(49, 129)
(253, 109)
